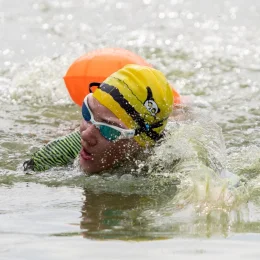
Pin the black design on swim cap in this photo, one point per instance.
(120, 99)
(150, 104)
(149, 93)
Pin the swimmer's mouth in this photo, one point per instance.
(86, 155)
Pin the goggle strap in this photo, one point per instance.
(120, 99)
(147, 129)
(93, 84)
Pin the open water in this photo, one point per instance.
(182, 202)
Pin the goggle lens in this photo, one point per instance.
(85, 113)
(109, 133)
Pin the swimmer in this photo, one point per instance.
(126, 114)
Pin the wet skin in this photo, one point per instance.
(97, 153)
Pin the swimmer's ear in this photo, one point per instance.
(93, 84)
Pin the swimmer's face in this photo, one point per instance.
(97, 153)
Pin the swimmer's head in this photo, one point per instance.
(141, 98)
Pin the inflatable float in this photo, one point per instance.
(93, 68)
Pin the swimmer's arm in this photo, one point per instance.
(59, 152)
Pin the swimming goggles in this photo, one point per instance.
(110, 132)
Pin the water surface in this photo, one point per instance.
(174, 205)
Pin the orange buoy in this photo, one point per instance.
(176, 97)
(95, 66)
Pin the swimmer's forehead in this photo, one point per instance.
(103, 114)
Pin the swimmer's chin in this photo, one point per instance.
(86, 167)
(89, 167)
(87, 163)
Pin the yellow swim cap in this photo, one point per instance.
(141, 97)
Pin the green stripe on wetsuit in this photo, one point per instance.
(59, 152)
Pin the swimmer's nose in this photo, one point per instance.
(89, 133)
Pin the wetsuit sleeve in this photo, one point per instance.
(59, 152)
